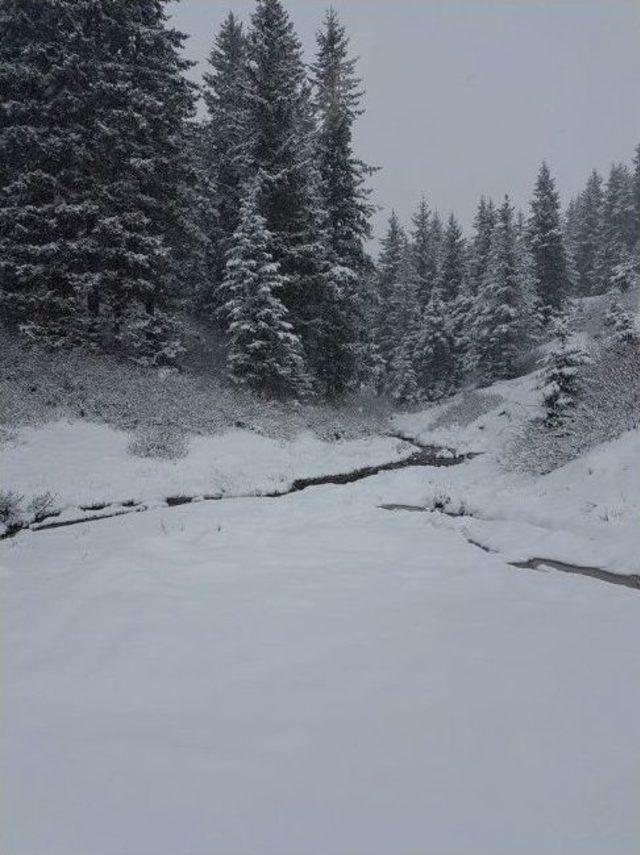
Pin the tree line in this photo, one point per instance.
(120, 211)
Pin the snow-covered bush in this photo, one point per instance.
(619, 323)
(562, 377)
(14, 515)
(161, 442)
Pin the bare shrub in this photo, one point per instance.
(11, 511)
(159, 442)
(41, 506)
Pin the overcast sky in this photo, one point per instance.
(466, 97)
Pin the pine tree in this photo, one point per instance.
(94, 187)
(224, 143)
(588, 235)
(619, 323)
(547, 245)
(279, 150)
(264, 352)
(500, 329)
(403, 381)
(390, 267)
(453, 289)
(618, 229)
(484, 223)
(343, 203)
(45, 198)
(147, 176)
(403, 312)
(562, 376)
(452, 267)
(433, 354)
(337, 98)
(424, 253)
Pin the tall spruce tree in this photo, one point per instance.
(588, 235)
(345, 209)
(391, 264)
(453, 289)
(224, 142)
(337, 97)
(422, 252)
(433, 353)
(94, 188)
(547, 245)
(277, 136)
(618, 228)
(453, 260)
(402, 319)
(484, 223)
(500, 331)
(264, 353)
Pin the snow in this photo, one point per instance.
(315, 675)
(310, 675)
(584, 513)
(84, 463)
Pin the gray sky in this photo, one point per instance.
(466, 97)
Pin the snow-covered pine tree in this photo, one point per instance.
(403, 314)
(620, 325)
(618, 225)
(433, 353)
(279, 150)
(46, 192)
(94, 196)
(424, 254)
(403, 381)
(328, 319)
(454, 290)
(337, 97)
(224, 152)
(484, 223)
(561, 382)
(453, 256)
(390, 266)
(500, 331)
(436, 235)
(345, 209)
(588, 235)
(547, 245)
(264, 354)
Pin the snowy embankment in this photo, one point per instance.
(83, 463)
(584, 513)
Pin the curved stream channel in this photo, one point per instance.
(426, 455)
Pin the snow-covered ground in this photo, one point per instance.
(315, 675)
(309, 675)
(84, 463)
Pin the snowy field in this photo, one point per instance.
(314, 674)
(308, 675)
